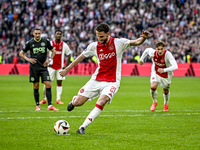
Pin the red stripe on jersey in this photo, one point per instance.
(58, 57)
(107, 61)
(160, 63)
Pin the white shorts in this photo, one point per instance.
(94, 88)
(54, 72)
(163, 82)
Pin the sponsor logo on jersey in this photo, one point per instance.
(37, 50)
(106, 56)
(42, 44)
(159, 64)
(58, 52)
(100, 50)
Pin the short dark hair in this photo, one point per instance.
(36, 29)
(58, 30)
(160, 43)
(103, 27)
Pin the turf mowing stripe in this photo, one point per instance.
(103, 111)
(135, 115)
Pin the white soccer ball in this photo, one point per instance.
(61, 127)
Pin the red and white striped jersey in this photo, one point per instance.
(109, 57)
(61, 49)
(166, 61)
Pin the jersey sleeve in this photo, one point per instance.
(90, 50)
(147, 51)
(125, 43)
(26, 47)
(66, 49)
(49, 45)
(172, 61)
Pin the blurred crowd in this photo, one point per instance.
(176, 22)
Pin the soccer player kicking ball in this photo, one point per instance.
(161, 71)
(105, 81)
(57, 65)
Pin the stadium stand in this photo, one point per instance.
(177, 22)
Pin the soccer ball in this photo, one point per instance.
(61, 127)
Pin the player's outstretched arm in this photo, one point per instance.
(74, 63)
(140, 40)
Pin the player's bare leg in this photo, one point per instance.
(76, 101)
(166, 95)
(154, 94)
(59, 92)
(103, 99)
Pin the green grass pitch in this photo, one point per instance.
(126, 123)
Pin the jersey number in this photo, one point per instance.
(112, 89)
(48, 78)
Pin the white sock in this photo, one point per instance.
(44, 93)
(59, 92)
(166, 98)
(92, 116)
(154, 94)
(49, 106)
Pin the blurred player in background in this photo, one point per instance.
(161, 71)
(38, 65)
(57, 65)
(105, 81)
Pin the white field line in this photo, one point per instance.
(134, 115)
